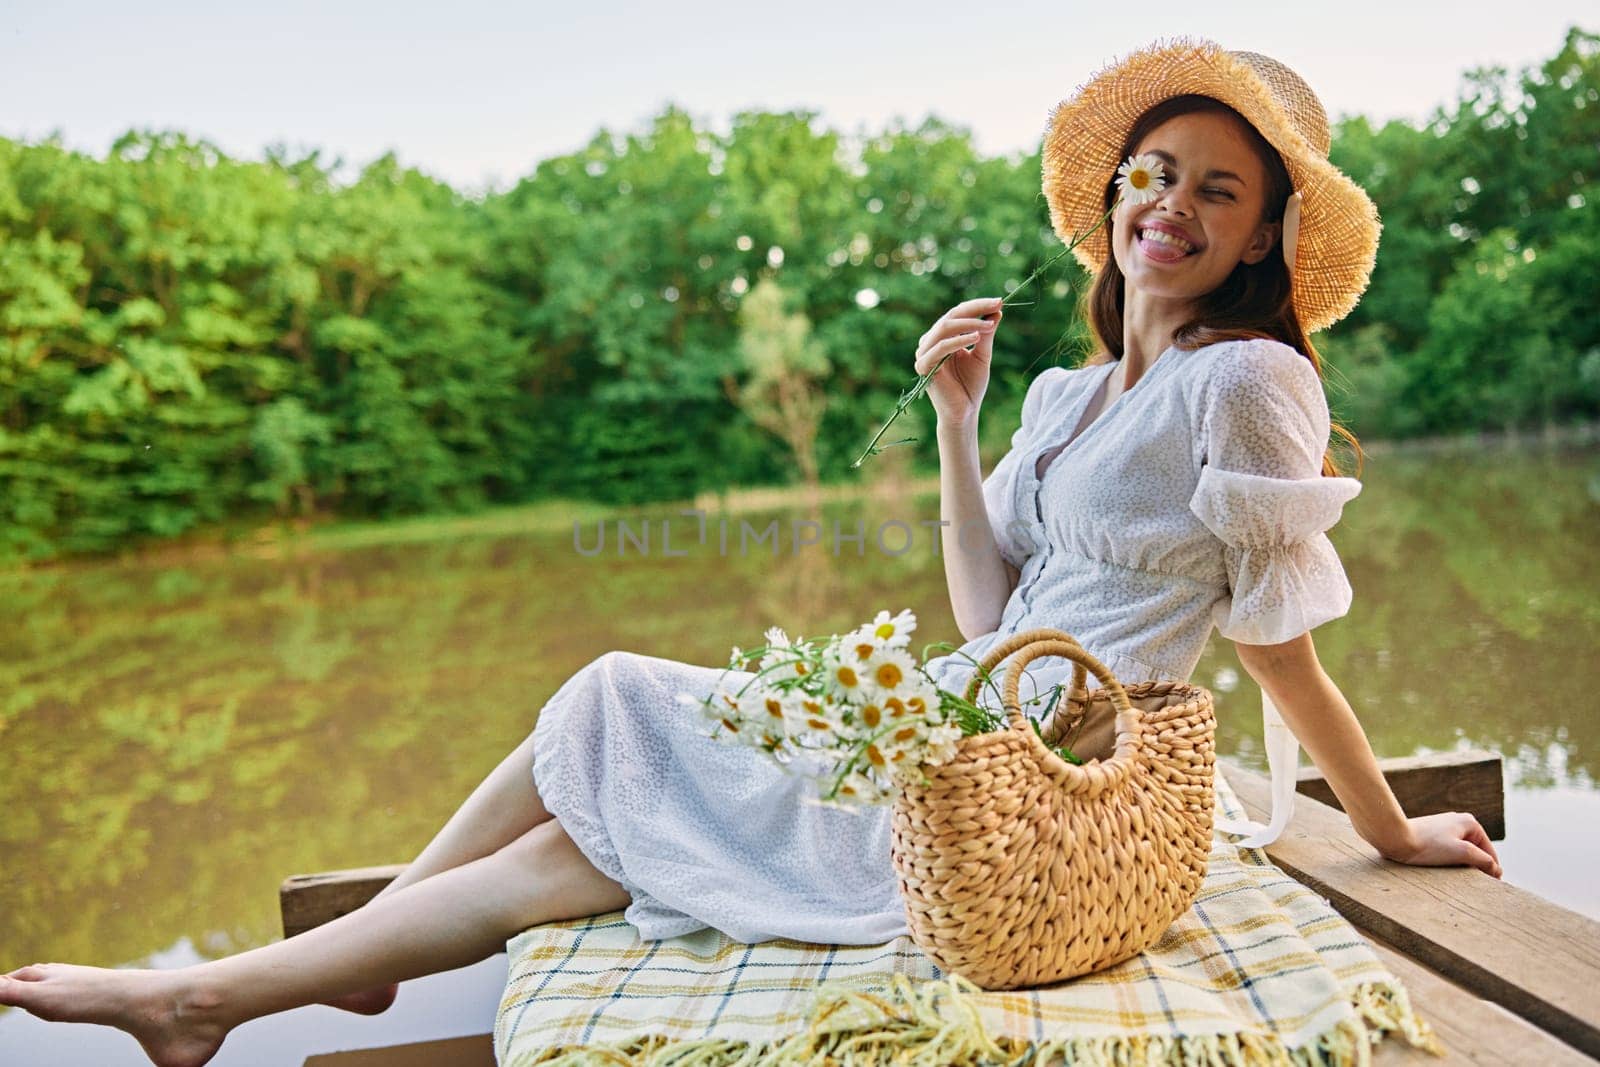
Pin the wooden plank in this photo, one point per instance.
(474, 1051)
(1471, 1029)
(1472, 781)
(1536, 959)
(307, 900)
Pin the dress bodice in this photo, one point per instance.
(1195, 500)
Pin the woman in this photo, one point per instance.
(1173, 484)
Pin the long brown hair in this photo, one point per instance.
(1255, 300)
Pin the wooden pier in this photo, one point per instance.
(1503, 975)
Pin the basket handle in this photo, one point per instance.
(1080, 678)
(1090, 779)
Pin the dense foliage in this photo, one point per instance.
(1481, 311)
(187, 339)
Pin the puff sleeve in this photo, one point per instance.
(1263, 427)
(1014, 533)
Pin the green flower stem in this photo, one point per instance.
(982, 671)
(808, 655)
(848, 767)
(911, 395)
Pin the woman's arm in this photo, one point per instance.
(1318, 714)
(980, 579)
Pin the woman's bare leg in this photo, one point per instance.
(451, 919)
(503, 807)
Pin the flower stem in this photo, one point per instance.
(844, 772)
(911, 395)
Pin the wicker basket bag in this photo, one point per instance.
(1020, 869)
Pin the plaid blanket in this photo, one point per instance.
(1260, 971)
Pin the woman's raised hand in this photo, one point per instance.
(967, 330)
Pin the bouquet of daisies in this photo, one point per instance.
(856, 710)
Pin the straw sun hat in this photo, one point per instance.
(1337, 222)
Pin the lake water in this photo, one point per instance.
(176, 739)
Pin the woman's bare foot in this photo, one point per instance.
(178, 1023)
(368, 1001)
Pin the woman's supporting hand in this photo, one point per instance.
(1449, 839)
(967, 330)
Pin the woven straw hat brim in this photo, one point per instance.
(1083, 140)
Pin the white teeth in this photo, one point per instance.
(1167, 239)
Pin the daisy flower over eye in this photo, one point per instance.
(1140, 179)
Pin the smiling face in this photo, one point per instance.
(1207, 219)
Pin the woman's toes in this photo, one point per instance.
(177, 1023)
(28, 989)
(21, 987)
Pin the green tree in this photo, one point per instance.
(189, 341)
(782, 389)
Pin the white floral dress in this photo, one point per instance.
(1194, 501)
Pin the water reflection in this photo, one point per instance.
(176, 739)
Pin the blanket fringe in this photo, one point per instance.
(936, 1024)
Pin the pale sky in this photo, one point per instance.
(477, 93)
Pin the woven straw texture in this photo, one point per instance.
(1339, 223)
(1019, 868)
(1259, 971)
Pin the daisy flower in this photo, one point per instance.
(808, 718)
(1140, 179)
(942, 743)
(870, 714)
(860, 642)
(890, 672)
(788, 661)
(901, 743)
(773, 708)
(851, 797)
(893, 631)
(885, 631)
(922, 702)
(781, 649)
(732, 722)
(724, 702)
(844, 675)
(858, 788)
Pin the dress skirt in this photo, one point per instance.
(702, 832)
